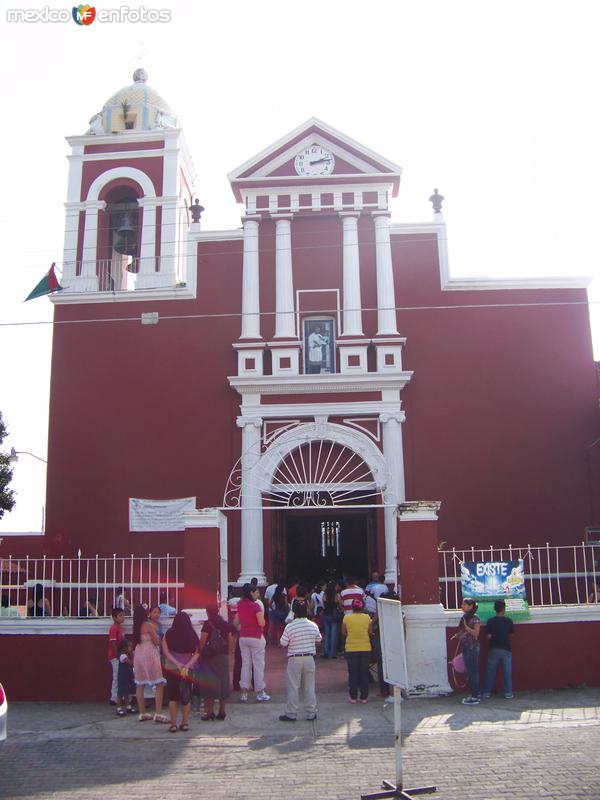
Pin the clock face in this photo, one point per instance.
(314, 160)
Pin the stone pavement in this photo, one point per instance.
(544, 744)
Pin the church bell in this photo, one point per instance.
(124, 226)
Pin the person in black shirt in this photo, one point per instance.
(499, 630)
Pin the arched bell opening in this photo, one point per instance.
(120, 232)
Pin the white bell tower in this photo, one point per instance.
(130, 191)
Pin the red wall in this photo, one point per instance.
(499, 412)
(548, 656)
(76, 668)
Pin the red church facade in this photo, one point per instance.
(318, 366)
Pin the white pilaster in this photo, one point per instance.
(352, 300)
(146, 277)
(386, 298)
(250, 280)
(252, 521)
(87, 280)
(395, 493)
(284, 281)
(169, 229)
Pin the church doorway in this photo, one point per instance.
(329, 545)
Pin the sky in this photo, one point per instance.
(496, 104)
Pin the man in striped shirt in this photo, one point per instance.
(350, 593)
(300, 637)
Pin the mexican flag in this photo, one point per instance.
(47, 285)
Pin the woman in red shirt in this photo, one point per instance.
(251, 623)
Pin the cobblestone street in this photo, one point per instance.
(544, 744)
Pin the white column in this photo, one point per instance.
(69, 265)
(284, 281)
(87, 280)
(252, 520)
(146, 277)
(395, 493)
(169, 246)
(250, 280)
(352, 302)
(386, 299)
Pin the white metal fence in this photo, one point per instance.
(554, 575)
(82, 587)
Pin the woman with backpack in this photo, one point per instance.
(180, 649)
(216, 643)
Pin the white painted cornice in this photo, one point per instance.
(141, 295)
(124, 137)
(310, 384)
(117, 155)
(482, 282)
(216, 236)
(419, 511)
(311, 410)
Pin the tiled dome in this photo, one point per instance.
(134, 107)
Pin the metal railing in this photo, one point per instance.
(554, 575)
(87, 587)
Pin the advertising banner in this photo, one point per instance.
(488, 581)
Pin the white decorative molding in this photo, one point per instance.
(321, 384)
(325, 130)
(217, 236)
(243, 421)
(110, 175)
(359, 424)
(203, 518)
(339, 434)
(304, 410)
(140, 295)
(481, 282)
(279, 426)
(116, 155)
(419, 510)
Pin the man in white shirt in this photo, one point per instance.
(379, 588)
(300, 637)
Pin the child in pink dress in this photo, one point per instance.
(146, 664)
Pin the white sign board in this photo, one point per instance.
(393, 649)
(158, 515)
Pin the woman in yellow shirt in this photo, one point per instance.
(356, 627)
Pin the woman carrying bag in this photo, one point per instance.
(180, 649)
(468, 637)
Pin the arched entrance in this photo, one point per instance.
(320, 484)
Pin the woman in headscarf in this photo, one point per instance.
(180, 648)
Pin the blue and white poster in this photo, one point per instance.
(488, 581)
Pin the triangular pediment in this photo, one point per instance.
(349, 159)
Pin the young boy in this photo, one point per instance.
(115, 636)
(499, 629)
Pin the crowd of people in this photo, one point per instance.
(330, 619)
(333, 617)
